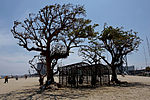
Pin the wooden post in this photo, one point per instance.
(108, 77)
(59, 75)
(101, 77)
(62, 75)
(66, 76)
(87, 76)
(77, 76)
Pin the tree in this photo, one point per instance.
(91, 52)
(38, 59)
(53, 32)
(118, 43)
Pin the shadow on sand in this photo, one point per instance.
(62, 93)
(35, 93)
(133, 84)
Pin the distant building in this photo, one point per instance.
(42, 67)
(129, 70)
(126, 70)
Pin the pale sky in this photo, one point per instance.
(131, 14)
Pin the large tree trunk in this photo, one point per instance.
(49, 71)
(40, 77)
(114, 75)
(41, 80)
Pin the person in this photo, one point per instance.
(16, 77)
(6, 79)
(25, 76)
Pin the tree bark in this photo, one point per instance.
(41, 80)
(114, 75)
(49, 70)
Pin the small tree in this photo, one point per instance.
(91, 52)
(118, 43)
(39, 59)
(53, 32)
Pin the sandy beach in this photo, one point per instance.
(137, 88)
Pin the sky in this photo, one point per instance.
(130, 14)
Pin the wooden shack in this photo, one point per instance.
(82, 74)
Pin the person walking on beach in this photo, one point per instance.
(16, 77)
(25, 76)
(6, 79)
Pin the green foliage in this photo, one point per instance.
(120, 42)
(116, 41)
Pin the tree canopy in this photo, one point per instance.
(53, 32)
(56, 29)
(117, 42)
(91, 52)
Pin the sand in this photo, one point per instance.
(137, 88)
